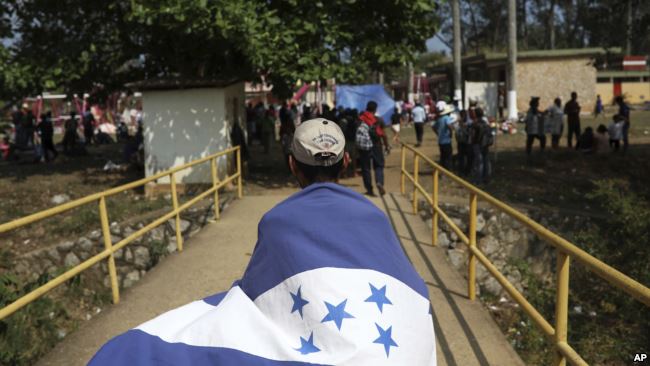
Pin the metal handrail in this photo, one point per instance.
(109, 247)
(565, 251)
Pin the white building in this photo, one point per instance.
(185, 120)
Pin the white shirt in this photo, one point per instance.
(419, 115)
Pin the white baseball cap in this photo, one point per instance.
(318, 142)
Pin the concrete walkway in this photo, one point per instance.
(215, 257)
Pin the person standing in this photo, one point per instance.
(267, 127)
(615, 130)
(46, 133)
(89, 127)
(287, 129)
(29, 126)
(396, 124)
(535, 127)
(598, 108)
(624, 112)
(70, 134)
(17, 119)
(419, 117)
(555, 118)
(572, 110)
(464, 149)
(501, 103)
(369, 137)
(443, 127)
(481, 139)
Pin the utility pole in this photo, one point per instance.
(512, 60)
(628, 28)
(458, 87)
(409, 92)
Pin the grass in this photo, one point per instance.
(26, 188)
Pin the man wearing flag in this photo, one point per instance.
(327, 284)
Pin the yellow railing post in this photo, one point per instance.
(108, 245)
(561, 305)
(179, 233)
(434, 216)
(416, 174)
(239, 178)
(471, 266)
(215, 182)
(402, 175)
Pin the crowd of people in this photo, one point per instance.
(34, 136)
(540, 123)
(368, 141)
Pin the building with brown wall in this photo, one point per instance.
(543, 73)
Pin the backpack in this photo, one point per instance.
(363, 139)
(372, 132)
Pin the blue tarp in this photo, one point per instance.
(357, 96)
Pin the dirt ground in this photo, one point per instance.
(27, 187)
(554, 179)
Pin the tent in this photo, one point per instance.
(357, 96)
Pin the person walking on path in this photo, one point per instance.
(419, 117)
(534, 127)
(572, 110)
(555, 118)
(369, 137)
(481, 139)
(327, 283)
(443, 127)
(46, 133)
(624, 112)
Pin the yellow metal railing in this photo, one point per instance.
(565, 252)
(109, 247)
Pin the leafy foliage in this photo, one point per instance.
(621, 241)
(72, 45)
(33, 330)
(574, 24)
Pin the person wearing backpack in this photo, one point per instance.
(463, 147)
(481, 139)
(370, 137)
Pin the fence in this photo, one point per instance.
(109, 247)
(565, 252)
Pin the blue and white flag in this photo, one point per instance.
(327, 284)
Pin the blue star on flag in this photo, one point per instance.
(385, 338)
(307, 345)
(336, 313)
(378, 297)
(298, 301)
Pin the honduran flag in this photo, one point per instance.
(327, 284)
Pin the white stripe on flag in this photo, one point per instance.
(349, 331)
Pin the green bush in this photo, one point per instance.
(606, 326)
(619, 325)
(33, 330)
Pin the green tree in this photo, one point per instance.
(73, 45)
